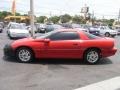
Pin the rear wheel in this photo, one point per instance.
(92, 56)
(24, 55)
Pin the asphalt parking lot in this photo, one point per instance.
(54, 74)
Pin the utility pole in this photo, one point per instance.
(14, 9)
(119, 17)
(93, 18)
(50, 17)
(60, 21)
(103, 18)
(32, 17)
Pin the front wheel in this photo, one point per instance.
(107, 34)
(92, 56)
(24, 55)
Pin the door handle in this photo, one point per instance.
(75, 44)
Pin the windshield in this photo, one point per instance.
(17, 26)
(93, 28)
(104, 27)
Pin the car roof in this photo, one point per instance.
(72, 30)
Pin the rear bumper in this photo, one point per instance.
(107, 53)
(8, 51)
(114, 34)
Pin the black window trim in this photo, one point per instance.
(64, 31)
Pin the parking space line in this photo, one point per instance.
(111, 84)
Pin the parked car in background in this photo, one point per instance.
(74, 26)
(106, 31)
(41, 28)
(16, 30)
(1, 28)
(24, 24)
(52, 27)
(93, 30)
(29, 29)
(62, 44)
(118, 32)
(117, 28)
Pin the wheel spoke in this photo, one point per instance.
(24, 55)
(92, 56)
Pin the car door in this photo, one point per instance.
(63, 45)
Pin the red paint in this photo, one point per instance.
(67, 48)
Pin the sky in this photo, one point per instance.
(101, 8)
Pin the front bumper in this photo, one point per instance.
(8, 51)
(19, 35)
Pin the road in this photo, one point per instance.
(54, 74)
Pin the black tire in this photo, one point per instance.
(107, 34)
(24, 60)
(10, 36)
(91, 59)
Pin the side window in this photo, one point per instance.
(64, 36)
(102, 28)
(90, 36)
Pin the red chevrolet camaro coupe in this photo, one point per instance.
(62, 44)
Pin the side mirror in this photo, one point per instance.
(47, 40)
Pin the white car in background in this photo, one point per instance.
(41, 28)
(79, 27)
(29, 29)
(16, 30)
(106, 31)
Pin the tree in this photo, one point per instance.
(83, 21)
(3, 14)
(54, 19)
(17, 14)
(41, 19)
(76, 19)
(65, 18)
(111, 21)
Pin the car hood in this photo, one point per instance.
(109, 30)
(18, 31)
(26, 41)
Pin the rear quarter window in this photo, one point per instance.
(91, 36)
